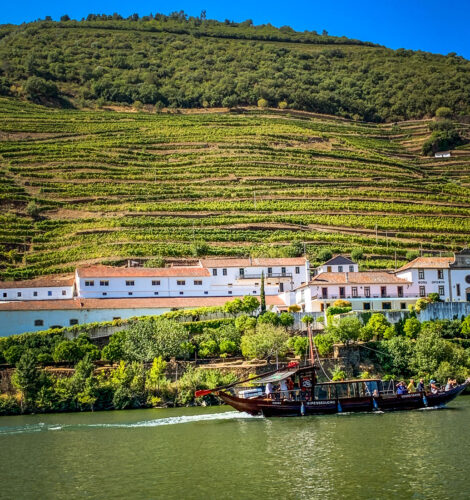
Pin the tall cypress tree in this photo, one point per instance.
(262, 295)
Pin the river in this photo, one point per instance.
(206, 453)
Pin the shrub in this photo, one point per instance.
(262, 103)
(13, 354)
(376, 327)
(412, 328)
(267, 341)
(37, 89)
(347, 330)
(324, 343)
(338, 374)
(282, 104)
(357, 254)
(342, 303)
(324, 255)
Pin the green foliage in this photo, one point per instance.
(412, 328)
(298, 344)
(324, 343)
(245, 323)
(444, 112)
(324, 254)
(37, 89)
(267, 341)
(466, 327)
(152, 338)
(334, 310)
(308, 319)
(26, 377)
(269, 317)
(347, 330)
(377, 326)
(13, 354)
(115, 349)
(338, 374)
(357, 254)
(262, 103)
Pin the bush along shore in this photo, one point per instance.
(136, 371)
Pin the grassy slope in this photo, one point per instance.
(115, 185)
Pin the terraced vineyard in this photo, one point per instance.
(115, 185)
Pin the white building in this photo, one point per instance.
(44, 288)
(338, 264)
(366, 291)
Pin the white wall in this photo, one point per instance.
(431, 281)
(350, 268)
(42, 293)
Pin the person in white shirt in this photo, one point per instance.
(269, 390)
(284, 391)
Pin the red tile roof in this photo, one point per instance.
(134, 303)
(42, 282)
(428, 263)
(100, 271)
(360, 278)
(254, 262)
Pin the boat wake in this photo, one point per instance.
(184, 419)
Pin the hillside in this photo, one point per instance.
(87, 186)
(185, 62)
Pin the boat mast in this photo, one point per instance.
(310, 343)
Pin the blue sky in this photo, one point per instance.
(430, 25)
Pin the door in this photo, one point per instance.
(342, 292)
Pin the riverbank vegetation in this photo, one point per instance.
(133, 371)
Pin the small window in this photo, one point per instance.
(224, 272)
(270, 270)
(421, 274)
(49, 293)
(155, 293)
(181, 293)
(351, 269)
(35, 294)
(297, 270)
(116, 318)
(64, 292)
(155, 282)
(89, 283)
(104, 283)
(366, 306)
(130, 283)
(281, 287)
(229, 292)
(458, 291)
(440, 274)
(38, 322)
(19, 294)
(5, 294)
(340, 269)
(386, 305)
(402, 305)
(181, 282)
(283, 270)
(241, 271)
(198, 282)
(254, 292)
(441, 291)
(73, 322)
(104, 294)
(130, 293)
(214, 272)
(422, 291)
(206, 293)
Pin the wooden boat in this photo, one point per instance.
(312, 398)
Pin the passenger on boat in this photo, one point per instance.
(411, 386)
(421, 387)
(269, 390)
(449, 384)
(434, 388)
(284, 390)
(290, 387)
(401, 388)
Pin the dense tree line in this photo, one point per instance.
(176, 61)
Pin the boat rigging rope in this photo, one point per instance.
(319, 362)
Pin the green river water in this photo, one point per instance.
(205, 453)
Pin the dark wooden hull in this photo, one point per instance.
(270, 408)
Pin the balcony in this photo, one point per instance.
(257, 276)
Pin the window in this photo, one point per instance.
(89, 283)
(241, 271)
(181, 293)
(19, 294)
(367, 291)
(49, 293)
(64, 292)
(458, 291)
(402, 305)
(297, 270)
(229, 292)
(383, 291)
(354, 291)
(116, 318)
(129, 283)
(35, 294)
(351, 269)
(283, 270)
(340, 269)
(386, 305)
(198, 282)
(206, 293)
(400, 291)
(38, 322)
(5, 294)
(130, 293)
(270, 270)
(224, 272)
(366, 306)
(281, 287)
(104, 294)
(324, 293)
(421, 274)
(155, 293)
(440, 274)
(214, 272)
(104, 283)
(181, 282)
(155, 282)
(441, 291)
(254, 292)
(73, 322)
(422, 291)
